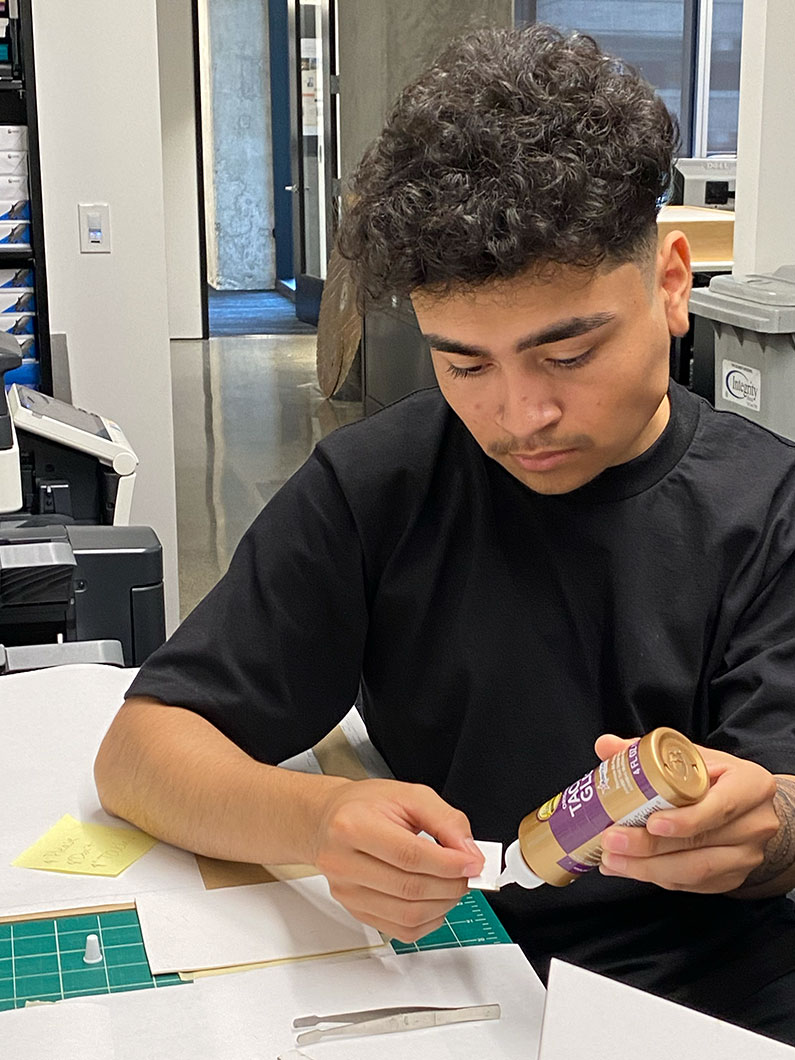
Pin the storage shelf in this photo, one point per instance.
(18, 107)
(11, 253)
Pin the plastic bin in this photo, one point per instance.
(28, 374)
(754, 325)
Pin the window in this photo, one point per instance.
(688, 49)
(723, 78)
(649, 35)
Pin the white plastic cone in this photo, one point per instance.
(93, 954)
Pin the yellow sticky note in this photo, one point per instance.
(86, 849)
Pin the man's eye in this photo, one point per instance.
(572, 362)
(464, 373)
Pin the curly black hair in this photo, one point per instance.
(516, 151)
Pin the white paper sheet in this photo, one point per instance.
(167, 1023)
(355, 732)
(248, 1016)
(53, 721)
(73, 1031)
(586, 1012)
(252, 1012)
(185, 931)
(305, 762)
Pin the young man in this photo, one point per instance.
(555, 546)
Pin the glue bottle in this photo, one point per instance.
(560, 841)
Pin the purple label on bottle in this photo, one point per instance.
(638, 775)
(579, 815)
(576, 868)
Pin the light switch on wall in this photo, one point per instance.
(94, 228)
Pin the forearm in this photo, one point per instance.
(173, 774)
(776, 874)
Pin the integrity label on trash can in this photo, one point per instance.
(742, 385)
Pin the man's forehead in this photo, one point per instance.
(566, 290)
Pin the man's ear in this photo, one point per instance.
(675, 279)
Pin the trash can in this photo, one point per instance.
(754, 325)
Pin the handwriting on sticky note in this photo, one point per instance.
(86, 849)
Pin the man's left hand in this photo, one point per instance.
(710, 847)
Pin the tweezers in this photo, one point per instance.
(389, 1020)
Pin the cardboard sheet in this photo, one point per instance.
(336, 757)
(586, 1012)
(184, 931)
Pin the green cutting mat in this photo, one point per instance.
(42, 960)
(471, 923)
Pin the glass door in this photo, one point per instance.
(314, 135)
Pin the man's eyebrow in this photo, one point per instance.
(557, 332)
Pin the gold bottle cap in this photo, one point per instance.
(680, 765)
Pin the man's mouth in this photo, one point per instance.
(542, 459)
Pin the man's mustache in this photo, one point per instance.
(538, 445)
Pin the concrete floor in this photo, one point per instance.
(247, 413)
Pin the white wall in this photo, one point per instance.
(765, 213)
(178, 116)
(99, 126)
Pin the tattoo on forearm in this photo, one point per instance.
(780, 850)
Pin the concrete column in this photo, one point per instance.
(384, 44)
(765, 215)
(240, 202)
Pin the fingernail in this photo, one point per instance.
(660, 826)
(474, 868)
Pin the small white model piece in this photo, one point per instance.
(93, 954)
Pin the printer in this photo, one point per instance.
(77, 583)
(705, 182)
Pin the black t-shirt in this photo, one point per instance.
(496, 632)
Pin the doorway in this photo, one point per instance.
(311, 196)
(268, 107)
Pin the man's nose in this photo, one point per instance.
(526, 407)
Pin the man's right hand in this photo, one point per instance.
(380, 869)
(174, 775)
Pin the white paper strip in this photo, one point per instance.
(487, 880)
